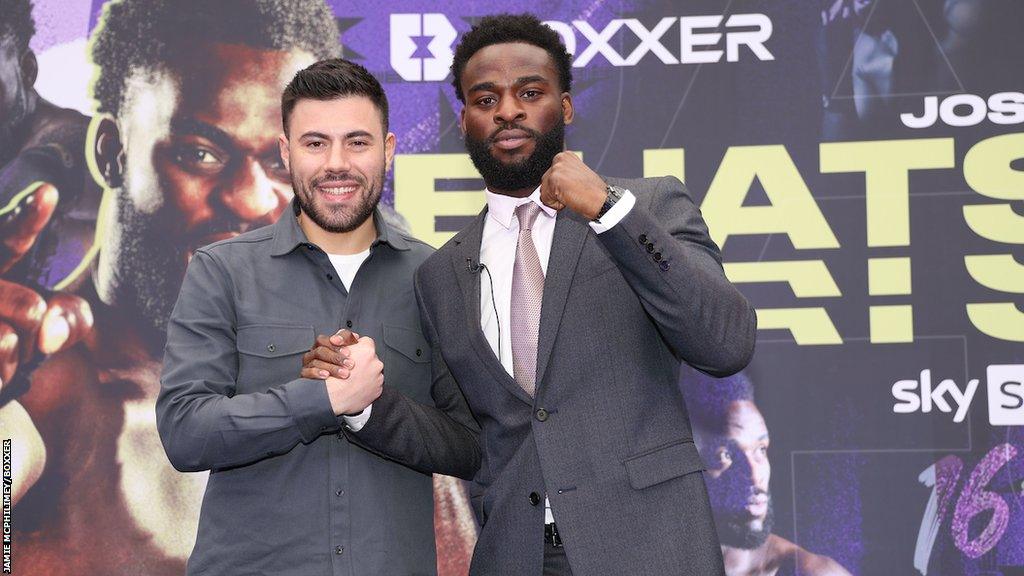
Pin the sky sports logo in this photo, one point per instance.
(422, 44)
(1005, 386)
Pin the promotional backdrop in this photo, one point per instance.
(859, 162)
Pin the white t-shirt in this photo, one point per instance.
(346, 265)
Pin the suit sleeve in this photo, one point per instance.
(664, 251)
(202, 423)
(443, 438)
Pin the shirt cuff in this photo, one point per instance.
(615, 213)
(356, 423)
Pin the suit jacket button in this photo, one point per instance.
(657, 256)
(643, 238)
(664, 265)
(542, 414)
(650, 247)
(534, 498)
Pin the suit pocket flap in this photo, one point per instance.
(408, 342)
(274, 340)
(663, 464)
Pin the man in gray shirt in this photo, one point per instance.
(288, 493)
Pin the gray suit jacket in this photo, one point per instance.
(607, 436)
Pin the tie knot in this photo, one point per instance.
(527, 214)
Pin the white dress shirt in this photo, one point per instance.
(498, 254)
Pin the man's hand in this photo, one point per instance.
(30, 323)
(364, 384)
(571, 183)
(329, 356)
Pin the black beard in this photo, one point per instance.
(363, 210)
(734, 529)
(522, 175)
(149, 268)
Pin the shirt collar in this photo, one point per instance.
(503, 208)
(288, 234)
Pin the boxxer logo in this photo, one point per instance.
(1005, 395)
(421, 46)
(698, 39)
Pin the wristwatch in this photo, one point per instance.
(614, 195)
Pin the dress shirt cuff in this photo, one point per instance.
(615, 213)
(355, 423)
(309, 404)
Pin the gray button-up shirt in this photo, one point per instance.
(288, 493)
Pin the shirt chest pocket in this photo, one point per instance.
(407, 362)
(270, 354)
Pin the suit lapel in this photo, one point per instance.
(570, 233)
(466, 252)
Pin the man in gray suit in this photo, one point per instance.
(562, 313)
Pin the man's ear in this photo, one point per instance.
(29, 68)
(568, 111)
(282, 146)
(109, 152)
(389, 150)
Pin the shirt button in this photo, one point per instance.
(643, 238)
(348, 323)
(339, 492)
(542, 414)
(339, 550)
(534, 498)
(419, 352)
(271, 347)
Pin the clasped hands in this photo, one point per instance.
(349, 365)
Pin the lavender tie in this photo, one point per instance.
(527, 293)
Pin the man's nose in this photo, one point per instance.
(251, 194)
(509, 110)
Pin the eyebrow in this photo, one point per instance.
(519, 82)
(348, 135)
(195, 127)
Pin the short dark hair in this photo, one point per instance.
(331, 79)
(510, 28)
(144, 35)
(16, 23)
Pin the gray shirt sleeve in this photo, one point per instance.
(203, 424)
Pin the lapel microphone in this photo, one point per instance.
(474, 267)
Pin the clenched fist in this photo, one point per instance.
(365, 380)
(571, 183)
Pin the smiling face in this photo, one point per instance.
(201, 163)
(515, 115)
(738, 475)
(338, 155)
